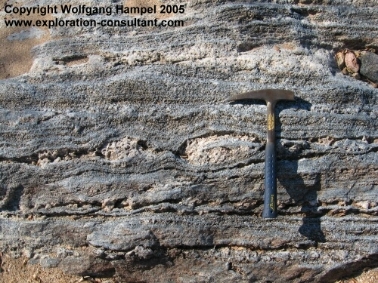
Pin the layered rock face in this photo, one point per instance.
(121, 158)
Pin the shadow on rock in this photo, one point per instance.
(10, 197)
(302, 190)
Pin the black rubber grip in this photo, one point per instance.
(270, 195)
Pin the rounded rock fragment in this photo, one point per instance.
(340, 59)
(369, 66)
(351, 62)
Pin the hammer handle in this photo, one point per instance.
(270, 196)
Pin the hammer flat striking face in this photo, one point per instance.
(271, 97)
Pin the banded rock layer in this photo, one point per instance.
(120, 156)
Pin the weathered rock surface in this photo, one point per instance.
(120, 157)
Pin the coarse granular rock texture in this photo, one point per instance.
(121, 159)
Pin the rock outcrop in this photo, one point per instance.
(121, 158)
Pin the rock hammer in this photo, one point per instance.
(271, 97)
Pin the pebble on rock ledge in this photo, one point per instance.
(369, 66)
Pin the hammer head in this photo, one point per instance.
(269, 95)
